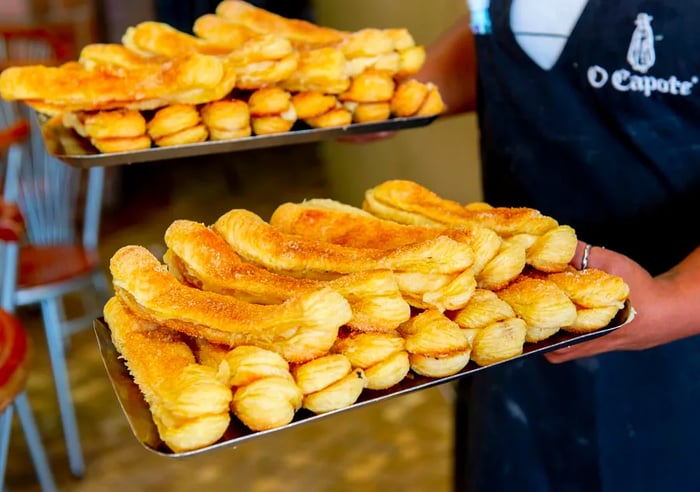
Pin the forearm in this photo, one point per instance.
(451, 65)
(682, 292)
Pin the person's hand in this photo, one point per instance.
(650, 297)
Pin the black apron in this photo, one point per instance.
(607, 141)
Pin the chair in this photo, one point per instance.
(58, 257)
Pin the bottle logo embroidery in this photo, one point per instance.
(641, 56)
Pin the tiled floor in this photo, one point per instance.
(401, 444)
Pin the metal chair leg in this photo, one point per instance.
(51, 314)
(5, 429)
(36, 449)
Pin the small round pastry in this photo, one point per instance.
(498, 341)
(119, 123)
(592, 288)
(401, 37)
(267, 403)
(484, 308)
(368, 42)
(386, 62)
(226, 115)
(411, 61)
(433, 104)
(269, 101)
(508, 263)
(332, 119)
(553, 250)
(309, 104)
(110, 145)
(195, 134)
(215, 134)
(439, 366)
(267, 125)
(248, 363)
(370, 86)
(320, 373)
(408, 98)
(388, 372)
(370, 112)
(172, 119)
(591, 319)
(366, 349)
(340, 394)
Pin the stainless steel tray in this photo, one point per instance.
(66, 145)
(139, 416)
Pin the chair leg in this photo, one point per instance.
(5, 429)
(31, 433)
(51, 314)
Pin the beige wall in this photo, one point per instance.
(442, 156)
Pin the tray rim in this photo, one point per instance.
(146, 433)
(292, 137)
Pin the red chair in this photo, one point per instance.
(14, 370)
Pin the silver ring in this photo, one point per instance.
(586, 256)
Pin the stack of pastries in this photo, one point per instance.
(260, 319)
(245, 71)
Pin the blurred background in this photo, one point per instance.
(401, 444)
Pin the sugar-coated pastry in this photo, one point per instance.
(508, 263)
(173, 119)
(368, 42)
(370, 86)
(113, 56)
(189, 404)
(110, 145)
(218, 30)
(591, 319)
(309, 104)
(389, 63)
(334, 118)
(553, 250)
(300, 329)
(411, 61)
(158, 38)
(592, 287)
(259, 74)
(322, 70)
(269, 101)
(340, 394)
(497, 341)
(484, 307)
(541, 304)
(269, 125)
(195, 134)
(248, 363)
(439, 366)
(118, 123)
(408, 98)
(371, 112)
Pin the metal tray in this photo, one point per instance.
(141, 422)
(66, 145)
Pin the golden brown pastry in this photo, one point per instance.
(370, 86)
(299, 329)
(309, 104)
(228, 117)
(256, 19)
(222, 32)
(433, 104)
(370, 112)
(389, 63)
(484, 308)
(408, 98)
(189, 404)
(592, 288)
(158, 38)
(411, 61)
(258, 242)
(329, 383)
(269, 101)
(497, 341)
(269, 125)
(112, 56)
(543, 306)
(195, 134)
(216, 134)
(550, 252)
(382, 357)
(410, 203)
(338, 223)
(436, 345)
(323, 70)
(262, 61)
(334, 118)
(508, 263)
(131, 144)
(192, 79)
(173, 119)
(114, 124)
(200, 257)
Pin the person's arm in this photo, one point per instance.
(667, 306)
(451, 65)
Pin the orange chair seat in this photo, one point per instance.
(45, 265)
(14, 347)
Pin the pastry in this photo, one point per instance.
(189, 404)
(483, 308)
(129, 144)
(227, 119)
(299, 329)
(309, 104)
(323, 70)
(370, 87)
(329, 383)
(173, 119)
(497, 341)
(334, 118)
(119, 123)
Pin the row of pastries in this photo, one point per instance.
(245, 71)
(256, 319)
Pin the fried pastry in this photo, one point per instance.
(369, 112)
(119, 123)
(408, 202)
(334, 118)
(550, 252)
(266, 403)
(300, 32)
(370, 87)
(508, 263)
(323, 70)
(200, 257)
(189, 405)
(173, 119)
(411, 60)
(368, 42)
(389, 63)
(268, 125)
(309, 104)
(329, 383)
(592, 288)
(195, 134)
(269, 101)
(382, 357)
(299, 329)
(227, 119)
(127, 144)
(112, 56)
(433, 104)
(483, 308)
(222, 32)
(539, 302)
(408, 98)
(258, 242)
(158, 38)
(497, 341)
(436, 345)
(216, 134)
